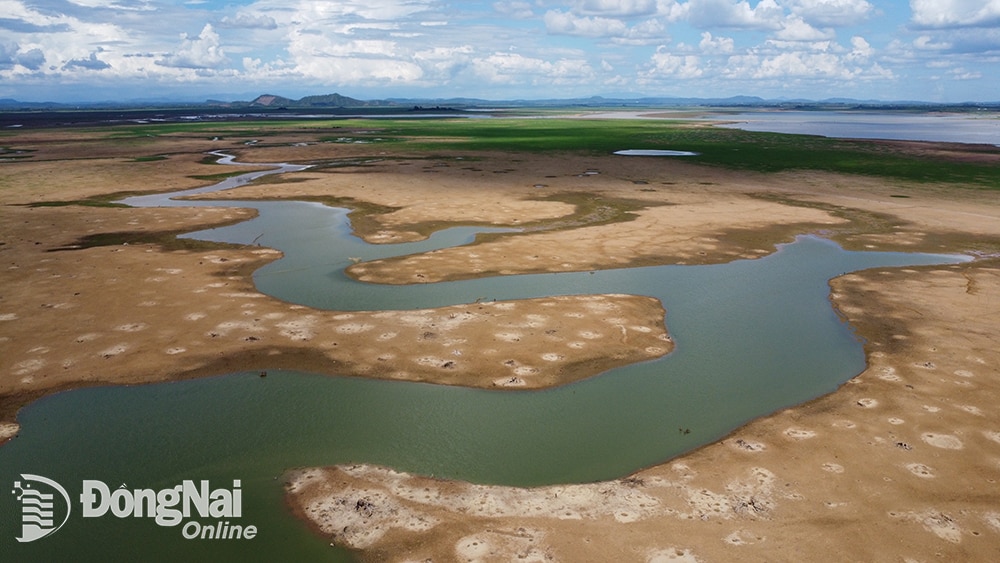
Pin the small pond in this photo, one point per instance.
(654, 152)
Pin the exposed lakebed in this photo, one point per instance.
(752, 336)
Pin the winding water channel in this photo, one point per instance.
(752, 337)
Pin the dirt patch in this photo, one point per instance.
(945, 152)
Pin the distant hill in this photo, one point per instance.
(11, 104)
(593, 101)
(323, 101)
(267, 103)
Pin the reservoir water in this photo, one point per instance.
(897, 125)
(752, 337)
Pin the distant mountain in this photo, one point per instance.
(593, 101)
(267, 103)
(324, 101)
(8, 104)
(268, 100)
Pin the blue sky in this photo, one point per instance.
(90, 50)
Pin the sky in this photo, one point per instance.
(98, 50)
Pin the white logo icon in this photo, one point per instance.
(39, 506)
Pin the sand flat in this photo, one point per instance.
(133, 313)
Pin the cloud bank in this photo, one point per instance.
(930, 49)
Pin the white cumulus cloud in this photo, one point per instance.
(796, 29)
(516, 10)
(619, 8)
(955, 13)
(514, 68)
(353, 62)
(201, 52)
(89, 63)
(126, 5)
(767, 14)
(566, 23)
(716, 45)
(928, 43)
(319, 12)
(831, 13)
(802, 64)
(821, 61)
(861, 50)
(441, 64)
(249, 21)
(963, 74)
(651, 31)
(667, 64)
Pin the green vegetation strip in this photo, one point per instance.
(166, 240)
(103, 200)
(731, 148)
(92, 202)
(213, 178)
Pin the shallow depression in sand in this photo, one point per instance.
(943, 441)
(920, 470)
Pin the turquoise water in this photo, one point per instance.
(752, 336)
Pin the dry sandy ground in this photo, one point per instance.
(899, 464)
(132, 313)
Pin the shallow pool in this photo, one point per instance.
(655, 152)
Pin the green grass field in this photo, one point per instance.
(731, 148)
